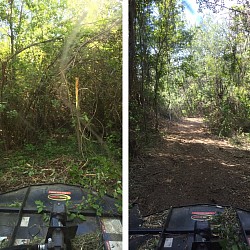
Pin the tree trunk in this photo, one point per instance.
(132, 44)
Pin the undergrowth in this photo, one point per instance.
(241, 140)
(57, 160)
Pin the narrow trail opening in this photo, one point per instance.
(187, 166)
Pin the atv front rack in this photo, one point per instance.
(40, 217)
(189, 228)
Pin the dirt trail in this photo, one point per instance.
(190, 166)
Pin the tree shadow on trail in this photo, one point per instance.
(190, 166)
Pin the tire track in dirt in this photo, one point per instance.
(188, 166)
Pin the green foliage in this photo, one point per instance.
(157, 32)
(40, 209)
(90, 203)
(177, 70)
(40, 42)
(57, 160)
(79, 207)
(98, 174)
(209, 76)
(16, 204)
(40, 206)
(228, 229)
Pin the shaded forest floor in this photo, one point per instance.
(189, 165)
(57, 161)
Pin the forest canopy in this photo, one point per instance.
(177, 69)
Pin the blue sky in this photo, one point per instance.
(194, 17)
(191, 11)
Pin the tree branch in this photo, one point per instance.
(32, 45)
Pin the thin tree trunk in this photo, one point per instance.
(132, 44)
(156, 90)
(12, 41)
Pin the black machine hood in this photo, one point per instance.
(186, 227)
(21, 222)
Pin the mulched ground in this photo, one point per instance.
(55, 171)
(188, 165)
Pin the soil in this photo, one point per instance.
(189, 165)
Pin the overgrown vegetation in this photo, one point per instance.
(54, 162)
(60, 94)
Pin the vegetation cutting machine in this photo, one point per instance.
(58, 217)
(195, 227)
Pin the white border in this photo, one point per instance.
(125, 123)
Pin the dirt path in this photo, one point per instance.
(190, 166)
